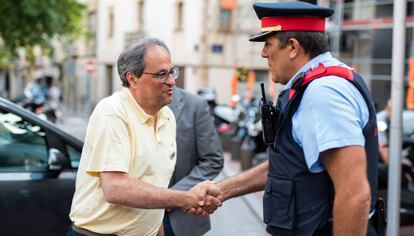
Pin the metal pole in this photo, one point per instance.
(394, 174)
(203, 69)
(336, 39)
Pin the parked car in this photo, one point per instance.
(38, 164)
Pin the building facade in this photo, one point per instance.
(209, 42)
(362, 37)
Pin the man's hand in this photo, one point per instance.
(207, 188)
(189, 201)
(209, 196)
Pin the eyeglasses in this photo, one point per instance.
(163, 75)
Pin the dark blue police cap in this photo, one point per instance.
(290, 16)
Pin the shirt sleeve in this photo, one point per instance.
(332, 114)
(110, 146)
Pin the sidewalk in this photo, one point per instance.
(74, 125)
(74, 122)
(254, 200)
(240, 216)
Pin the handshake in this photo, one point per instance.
(203, 199)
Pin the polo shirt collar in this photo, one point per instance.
(142, 116)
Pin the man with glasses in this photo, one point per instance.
(130, 152)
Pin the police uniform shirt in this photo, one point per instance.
(332, 114)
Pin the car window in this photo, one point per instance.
(74, 156)
(23, 145)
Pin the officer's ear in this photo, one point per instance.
(294, 48)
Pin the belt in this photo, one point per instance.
(87, 232)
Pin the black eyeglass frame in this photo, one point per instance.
(163, 75)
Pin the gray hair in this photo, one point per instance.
(132, 59)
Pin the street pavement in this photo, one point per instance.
(239, 216)
(74, 125)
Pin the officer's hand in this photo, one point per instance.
(208, 194)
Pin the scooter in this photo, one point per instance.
(45, 109)
(407, 168)
(48, 111)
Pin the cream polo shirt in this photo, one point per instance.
(121, 137)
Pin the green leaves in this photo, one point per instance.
(27, 23)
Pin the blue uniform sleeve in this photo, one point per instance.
(332, 114)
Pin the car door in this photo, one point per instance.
(38, 164)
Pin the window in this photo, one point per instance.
(217, 48)
(92, 22)
(140, 10)
(225, 19)
(23, 145)
(181, 78)
(92, 33)
(108, 75)
(179, 23)
(110, 22)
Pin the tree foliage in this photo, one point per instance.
(29, 23)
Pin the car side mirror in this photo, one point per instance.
(56, 160)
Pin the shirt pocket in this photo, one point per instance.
(170, 152)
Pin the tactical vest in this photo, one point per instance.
(296, 201)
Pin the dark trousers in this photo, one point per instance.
(73, 233)
(325, 231)
(76, 231)
(168, 231)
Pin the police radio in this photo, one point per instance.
(268, 112)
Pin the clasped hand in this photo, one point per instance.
(209, 198)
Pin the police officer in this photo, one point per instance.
(321, 177)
